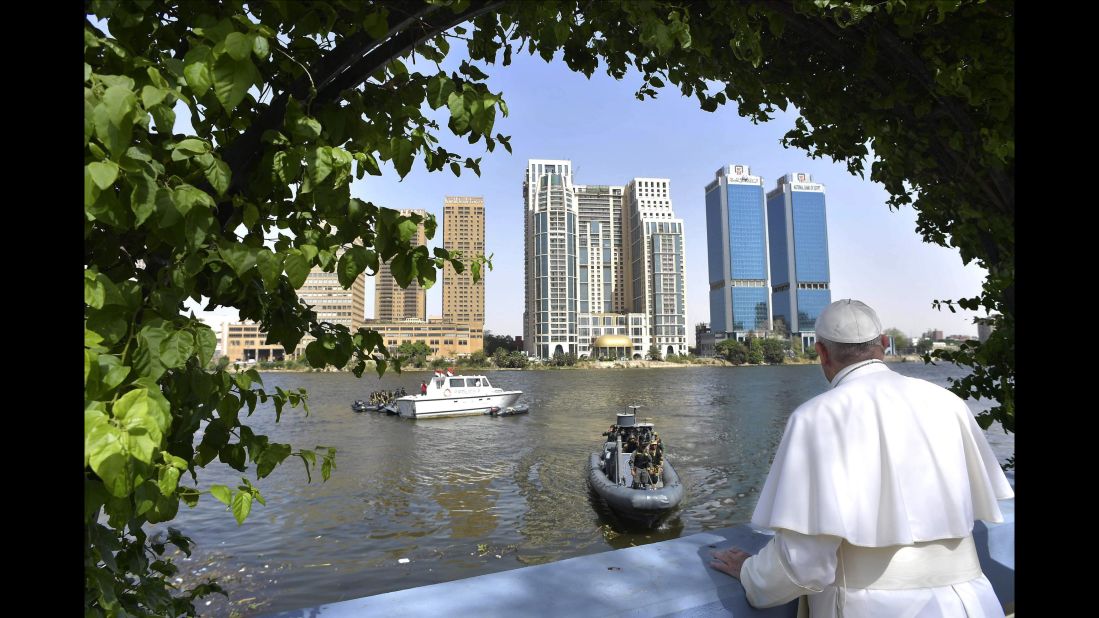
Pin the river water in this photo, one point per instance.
(460, 497)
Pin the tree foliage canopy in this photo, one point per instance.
(291, 100)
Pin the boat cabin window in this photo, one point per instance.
(473, 381)
(484, 382)
(457, 383)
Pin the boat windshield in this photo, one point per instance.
(484, 382)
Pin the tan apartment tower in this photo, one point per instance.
(464, 232)
(391, 302)
(332, 302)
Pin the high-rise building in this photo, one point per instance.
(586, 293)
(736, 239)
(550, 221)
(798, 234)
(332, 302)
(655, 277)
(600, 249)
(391, 301)
(464, 232)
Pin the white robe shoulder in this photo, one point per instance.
(882, 459)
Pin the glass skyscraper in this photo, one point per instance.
(798, 232)
(736, 239)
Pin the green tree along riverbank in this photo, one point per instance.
(288, 101)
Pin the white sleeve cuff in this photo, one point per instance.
(791, 565)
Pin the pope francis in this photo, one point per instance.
(873, 492)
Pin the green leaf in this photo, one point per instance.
(367, 162)
(218, 174)
(114, 132)
(186, 197)
(146, 360)
(96, 424)
(110, 323)
(439, 89)
(260, 47)
(271, 457)
(232, 79)
(168, 480)
(306, 128)
(318, 164)
(242, 505)
(401, 150)
(270, 267)
(143, 197)
(152, 96)
(316, 354)
(103, 173)
(176, 349)
(352, 263)
(250, 215)
(120, 102)
(196, 70)
(238, 45)
(376, 24)
(165, 118)
(241, 258)
(407, 230)
(145, 416)
(110, 460)
(189, 495)
(296, 267)
(233, 455)
(112, 372)
(145, 496)
(222, 493)
(403, 268)
(459, 114)
(92, 341)
(95, 289)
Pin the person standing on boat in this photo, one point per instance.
(873, 492)
(423, 389)
(658, 461)
(641, 462)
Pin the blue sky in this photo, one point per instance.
(611, 137)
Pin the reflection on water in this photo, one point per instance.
(466, 496)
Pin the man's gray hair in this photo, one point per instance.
(847, 353)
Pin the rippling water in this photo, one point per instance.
(460, 497)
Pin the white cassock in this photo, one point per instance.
(872, 496)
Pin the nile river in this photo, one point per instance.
(460, 497)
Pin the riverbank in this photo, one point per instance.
(627, 364)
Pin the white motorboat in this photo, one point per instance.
(456, 395)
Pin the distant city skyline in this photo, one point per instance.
(610, 136)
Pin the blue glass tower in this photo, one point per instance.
(737, 248)
(800, 280)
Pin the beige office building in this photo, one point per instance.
(244, 341)
(332, 303)
(464, 232)
(446, 339)
(391, 301)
